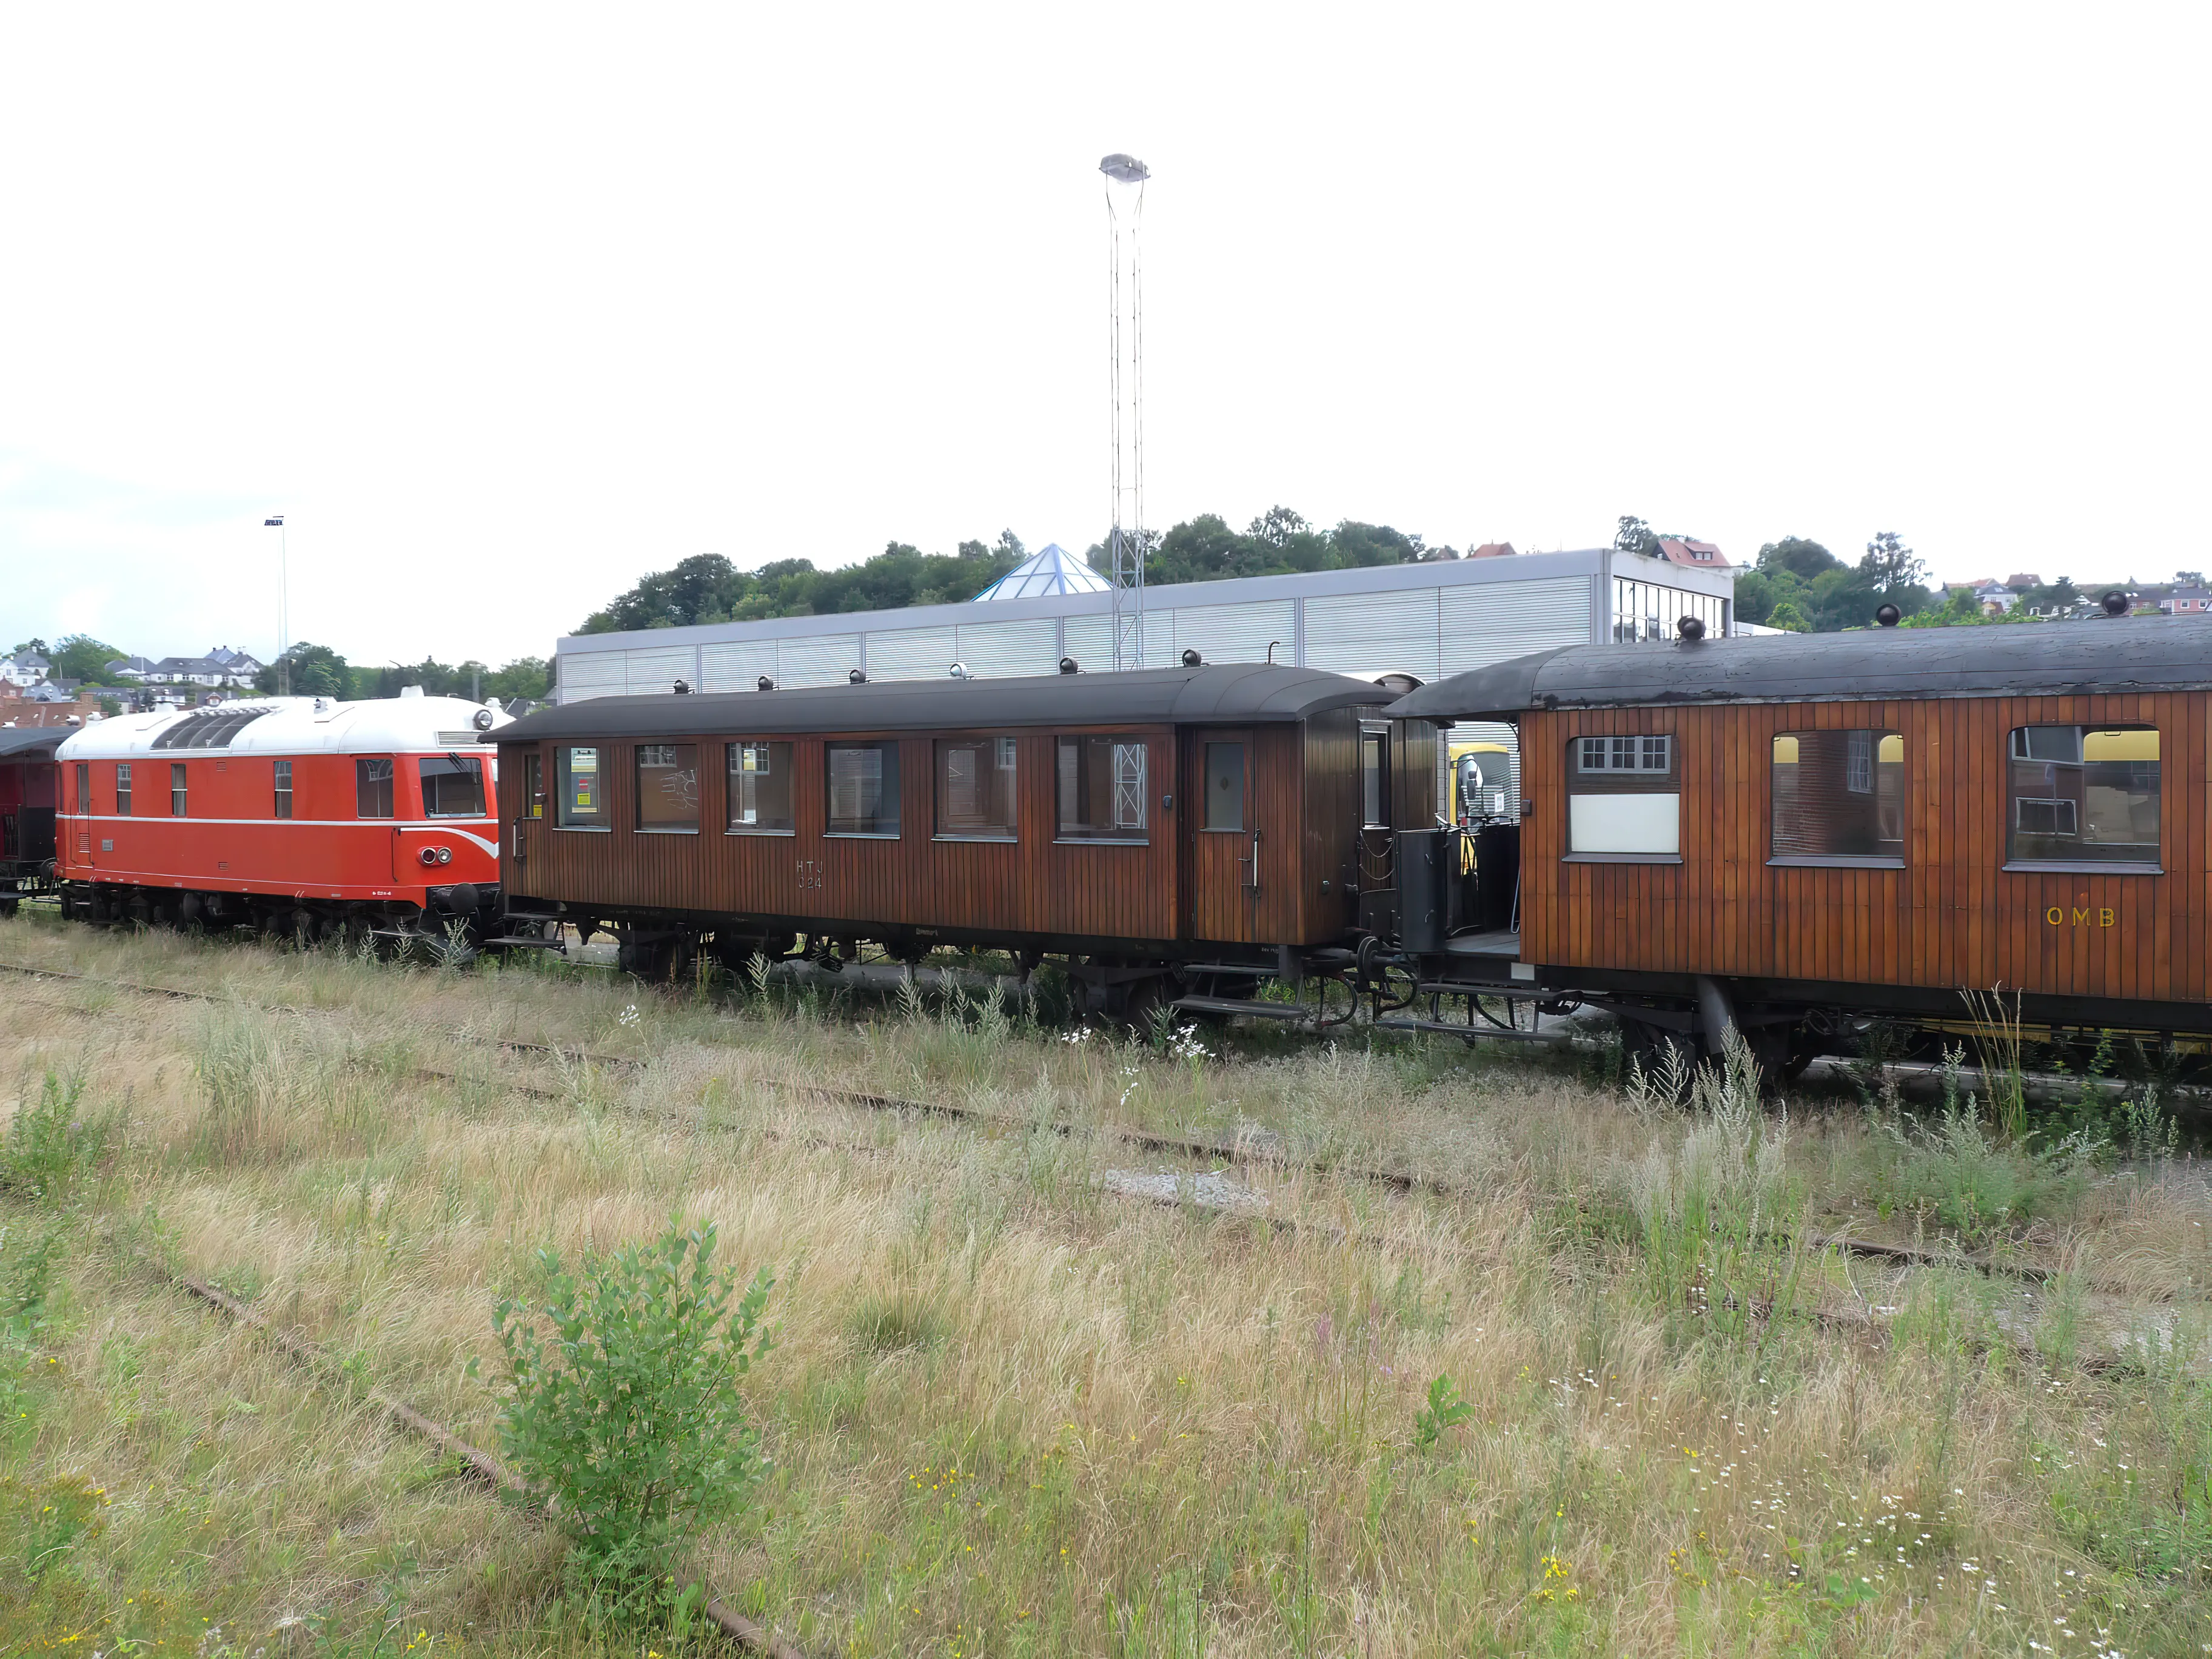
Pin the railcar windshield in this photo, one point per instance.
(1101, 789)
(760, 789)
(864, 789)
(1838, 797)
(668, 788)
(976, 788)
(372, 788)
(452, 786)
(2083, 796)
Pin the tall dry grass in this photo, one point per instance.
(1013, 1412)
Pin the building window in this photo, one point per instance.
(534, 785)
(452, 786)
(2083, 797)
(176, 789)
(1224, 786)
(1100, 782)
(864, 789)
(1838, 797)
(1624, 800)
(583, 801)
(372, 788)
(760, 789)
(1374, 779)
(83, 786)
(283, 789)
(668, 788)
(1648, 610)
(123, 789)
(976, 788)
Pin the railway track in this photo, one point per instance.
(1194, 1146)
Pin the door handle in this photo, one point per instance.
(1254, 882)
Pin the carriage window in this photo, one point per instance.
(2082, 796)
(372, 788)
(1838, 797)
(1374, 779)
(83, 786)
(176, 789)
(760, 788)
(1100, 782)
(583, 800)
(534, 785)
(976, 788)
(668, 788)
(123, 789)
(452, 786)
(1625, 799)
(283, 789)
(1224, 786)
(864, 789)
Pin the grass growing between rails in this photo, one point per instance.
(1605, 1396)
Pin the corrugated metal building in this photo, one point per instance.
(1430, 620)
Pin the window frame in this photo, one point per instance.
(122, 790)
(363, 777)
(1002, 747)
(1141, 833)
(83, 781)
(637, 754)
(1844, 860)
(2014, 863)
(280, 788)
(563, 759)
(733, 751)
(423, 783)
(889, 789)
(1243, 748)
(534, 785)
(1638, 781)
(180, 786)
(1375, 739)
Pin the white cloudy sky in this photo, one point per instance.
(504, 306)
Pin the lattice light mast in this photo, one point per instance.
(1125, 207)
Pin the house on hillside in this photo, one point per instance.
(1493, 550)
(127, 671)
(2189, 602)
(23, 668)
(1702, 556)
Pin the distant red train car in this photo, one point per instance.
(306, 816)
(26, 811)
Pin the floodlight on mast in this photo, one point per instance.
(1125, 205)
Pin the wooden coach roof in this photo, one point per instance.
(2124, 654)
(1239, 694)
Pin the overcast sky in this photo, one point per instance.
(503, 307)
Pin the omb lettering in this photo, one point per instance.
(2104, 915)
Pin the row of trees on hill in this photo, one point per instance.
(319, 671)
(707, 588)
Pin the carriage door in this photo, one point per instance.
(1228, 863)
(83, 813)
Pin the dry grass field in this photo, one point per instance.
(1017, 1407)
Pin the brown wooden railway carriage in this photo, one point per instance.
(26, 811)
(1129, 821)
(1794, 833)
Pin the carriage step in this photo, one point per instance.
(1240, 1006)
(1447, 1028)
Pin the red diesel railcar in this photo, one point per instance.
(301, 814)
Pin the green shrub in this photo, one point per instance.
(48, 1145)
(1445, 1410)
(631, 1414)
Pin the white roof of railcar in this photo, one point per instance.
(297, 726)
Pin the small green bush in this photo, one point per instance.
(49, 1146)
(631, 1414)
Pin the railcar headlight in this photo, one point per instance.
(445, 855)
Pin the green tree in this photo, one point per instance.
(1889, 564)
(317, 672)
(29, 646)
(81, 657)
(526, 677)
(1803, 559)
(1787, 617)
(1635, 536)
